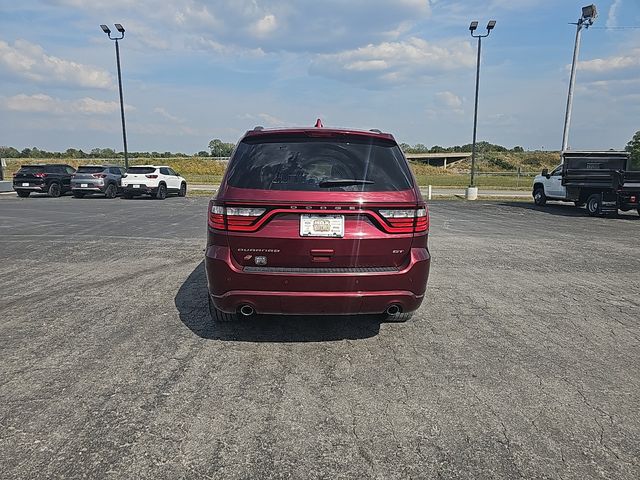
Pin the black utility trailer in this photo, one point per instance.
(602, 181)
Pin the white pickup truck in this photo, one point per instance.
(602, 181)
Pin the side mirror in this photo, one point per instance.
(545, 172)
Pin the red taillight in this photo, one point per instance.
(40, 175)
(406, 220)
(422, 219)
(216, 217)
(151, 176)
(99, 175)
(238, 219)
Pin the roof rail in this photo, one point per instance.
(375, 130)
(258, 128)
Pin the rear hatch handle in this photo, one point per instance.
(321, 255)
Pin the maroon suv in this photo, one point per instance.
(317, 221)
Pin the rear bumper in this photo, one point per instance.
(87, 190)
(91, 188)
(31, 188)
(325, 293)
(141, 190)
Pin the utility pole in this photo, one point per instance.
(120, 29)
(589, 14)
(472, 28)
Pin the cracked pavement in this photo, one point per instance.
(523, 362)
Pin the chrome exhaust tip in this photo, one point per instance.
(246, 310)
(394, 310)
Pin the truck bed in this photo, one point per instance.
(599, 170)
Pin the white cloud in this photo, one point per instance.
(194, 14)
(448, 99)
(33, 103)
(202, 43)
(613, 63)
(395, 62)
(274, 25)
(265, 119)
(612, 18)
(41, 103)
(29, 60)
(265, 26)
(90, 106)
(163, 113)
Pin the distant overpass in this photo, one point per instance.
(438, 159)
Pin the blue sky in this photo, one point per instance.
(201, 69)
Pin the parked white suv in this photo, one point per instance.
(157, 181)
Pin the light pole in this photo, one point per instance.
(472, 28)
(589, 14)
(120, 29)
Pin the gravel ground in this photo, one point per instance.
(523, 362)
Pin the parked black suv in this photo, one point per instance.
(53, 179)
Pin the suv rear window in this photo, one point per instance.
(90, 169)
(31, 169)
(141, 170)
(319, 164)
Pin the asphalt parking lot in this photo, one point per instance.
(524, 361)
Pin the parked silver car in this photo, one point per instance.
(106, 179)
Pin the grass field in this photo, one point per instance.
(502, 165)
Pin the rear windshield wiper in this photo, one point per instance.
(343, 182)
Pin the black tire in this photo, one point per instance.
(78, 194)
(220, 317)
(594, 205)
(23, 193)
(111, 191)
(183, 190)
(399, 318)
(539, 198)
(161, 193)
(55, 190)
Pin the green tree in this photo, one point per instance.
(420, 148)
(633, 147)
(219, 148)
(74, 153)
(9, 152)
